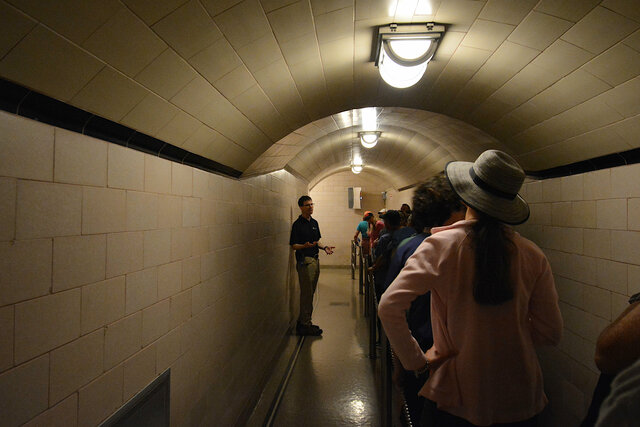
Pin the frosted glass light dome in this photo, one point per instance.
(398, 75)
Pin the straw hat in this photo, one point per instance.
(490, 185)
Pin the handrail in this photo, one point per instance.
(372, 303)
(354, 258)
(387, 359)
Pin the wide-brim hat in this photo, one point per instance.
(490, 185)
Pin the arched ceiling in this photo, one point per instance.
(252, 83)
(413, 144)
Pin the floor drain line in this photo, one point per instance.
(283, 384)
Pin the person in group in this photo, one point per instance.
(617, 348)
(377, 228)
(435, 204)
(365, 227)
(493, 299)
(305, 240)
(405, 230)
(405, 208)
(384, 249)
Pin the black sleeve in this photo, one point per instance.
(294, 238)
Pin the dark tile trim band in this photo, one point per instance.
(24, 102)
(623, 158)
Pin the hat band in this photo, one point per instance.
(488, 188)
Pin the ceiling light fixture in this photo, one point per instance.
(369, 139)
(356, 163)
(404, 50)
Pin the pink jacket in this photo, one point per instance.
(494, 375)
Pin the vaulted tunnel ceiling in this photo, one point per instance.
(264, 85)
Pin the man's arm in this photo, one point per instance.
(618, 345)
(327, 249)
(300, 246)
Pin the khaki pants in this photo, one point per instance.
(308, 274)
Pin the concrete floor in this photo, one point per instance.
(333, 382)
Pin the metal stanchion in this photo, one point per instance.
(361, 270)
(354, 251)
(387, 381)
(373, 315)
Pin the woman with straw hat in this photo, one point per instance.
(493, 299)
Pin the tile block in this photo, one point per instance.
(122, 339)
(552, 190)
(101, 397)
(78, 260)
(612, 214)
(142, 211)
(633, 214)
(139, 371)
(8, 191)
(45, 323)
(597, 302)
(624, 246)
(64, 414)
(141, 289)
(167, 350)
(27, 148)
(169, 279)
(157, 247)
(103, 210)
(80, 159)
(612, 276)
(6, 338)
(74, 365)
(190, 212)
(126, 168)
(125, 253)
(561, 214)
(597, 185)
(583, 214)
(47, 210)
(181, 180)
(169, 212)
(190, 272)
(102, 303)
(155, 321)
(199, 241)
(180, 243)
(25, 270)
(597, 243)
(157, 175)
(624, 181)
(633, 279)
(24, 391)
(572, 187)
(180, 308)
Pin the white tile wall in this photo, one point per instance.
(123, 265)
(80, 160)
(594, 249)
(74, 365)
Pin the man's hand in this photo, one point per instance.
(329, 249)
(310, 244)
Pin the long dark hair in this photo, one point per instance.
(493, 247)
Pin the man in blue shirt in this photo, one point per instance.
(305, 240)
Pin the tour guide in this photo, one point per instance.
(305, 240)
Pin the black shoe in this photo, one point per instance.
(310, 330)
(316, 327)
